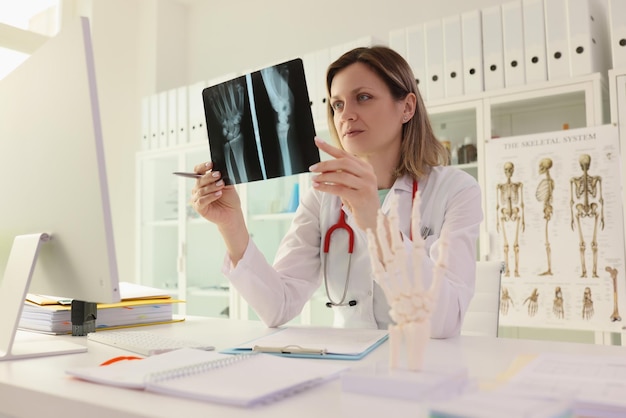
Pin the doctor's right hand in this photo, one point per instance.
(212, 199)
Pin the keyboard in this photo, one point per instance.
(143, 342)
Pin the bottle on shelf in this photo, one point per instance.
(467, 152)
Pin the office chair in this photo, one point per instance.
(481, 317)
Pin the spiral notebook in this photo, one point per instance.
(242, 380)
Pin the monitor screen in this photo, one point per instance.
(52, 170)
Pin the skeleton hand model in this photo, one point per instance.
(227, 103)
(282, 101)
(613, 272)
(400, 276)
(510, 196)
(544, 195)
(585, 190)
(557, 306)
(533, 304)
(587, 304)
(505, 301)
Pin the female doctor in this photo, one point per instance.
(384, 145)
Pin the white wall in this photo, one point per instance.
(232, 36)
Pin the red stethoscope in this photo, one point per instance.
(342, 224)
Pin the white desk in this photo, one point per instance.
(40, 387)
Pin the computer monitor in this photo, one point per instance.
(55, 218)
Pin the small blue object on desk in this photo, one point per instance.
(496, 404)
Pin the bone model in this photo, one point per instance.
(400, 276)
(228, 105)
(282, 101)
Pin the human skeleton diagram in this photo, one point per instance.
(505, 301)
(282, 100)
(227, 102)
(557, 306)
(533, 302)
(586, 201)
(587, 304)
(544, 192)
(510, 209)
(615, 315)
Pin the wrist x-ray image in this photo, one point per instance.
(260, 125)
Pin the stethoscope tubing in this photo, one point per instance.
(342, 224)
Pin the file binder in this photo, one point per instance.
(617, 13)
(172, 117)
(315, 65)
(557, 39)
(145, 123)
(473, 73)
(433, 31)
(513, 43)
(243, 380)
(163, 135)
(182, 116)
(534, 41)
(453, 56)
(154, 121)
(195, 106)
(397, 42)
(588, 37)
(313, 80)
(493, 54)
(316, 342)
(416, 56)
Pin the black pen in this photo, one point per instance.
(289, 349)
(188, 175)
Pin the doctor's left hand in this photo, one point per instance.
(350, 178)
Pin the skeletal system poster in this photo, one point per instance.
(555, 216)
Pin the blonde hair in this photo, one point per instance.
(420, 149)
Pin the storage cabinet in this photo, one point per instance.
(184, 253)
(180, 251)
(541, 107)
(177, 249)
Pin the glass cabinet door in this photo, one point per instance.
(568, 105)
(270, 208)
(201, 252)
(456, 126)
(158, 208)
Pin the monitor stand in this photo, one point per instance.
(13, 289)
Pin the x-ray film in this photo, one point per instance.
(260, 125)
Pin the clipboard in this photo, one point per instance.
(316, 342)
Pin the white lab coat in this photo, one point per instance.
(450, 199)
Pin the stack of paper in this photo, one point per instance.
(595, 385)
(140, 305)
(430, 384)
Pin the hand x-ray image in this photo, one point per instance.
(260, 125)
